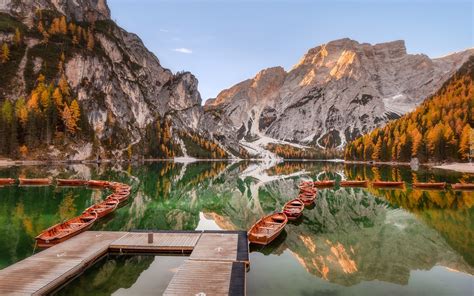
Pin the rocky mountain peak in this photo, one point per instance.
(393, 49)
(336, 92)
(344, 51)
(79, 10)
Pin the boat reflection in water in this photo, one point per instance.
(358, 241)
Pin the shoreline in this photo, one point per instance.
(462, 167)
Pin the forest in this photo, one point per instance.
(440, 129)
(50, 114)
(292, 152)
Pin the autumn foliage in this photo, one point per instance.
(438, 130)
(287, 151)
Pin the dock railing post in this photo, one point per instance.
(150, 237)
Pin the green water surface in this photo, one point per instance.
(351, 242)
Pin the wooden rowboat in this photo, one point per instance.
(430, 185)
(307, 199)
(353, 183)
(7, 181)
(63, 231)
(306, 184)
(308, 193)
(121, 197)
(308, 190)
(293, 209)
(71, 182)
(122, 190)
(97, 183)
(463, 186)
(388, 183)
(267, 228)
(103, 208)
(325, 183)
(44, 181)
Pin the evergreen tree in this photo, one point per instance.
(17, 38)
(63, 25)
(465, 142)
(90, 40)
(5, 57)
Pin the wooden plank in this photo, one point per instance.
(201, 278)
(162, 241)
(55, 265)
(211, 269)
(216, 247)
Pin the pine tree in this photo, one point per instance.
(72, 28)
(21, 111)
(68, 119)
(55, 27)
(58, 98)
(40, 27)
(5, 57)
(417, 139)
(90, 40)
(63, 85)
(45, 99)
(75, 41)
(465, 142)
(75, 112)
(377, 150)
(17, 38)
(63, 25)
(23, 151)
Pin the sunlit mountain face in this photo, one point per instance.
(352, 240)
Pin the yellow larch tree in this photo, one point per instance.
(5, 57)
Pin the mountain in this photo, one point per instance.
(335, 93)
(76, 86)
(440, 129)
(58, 54)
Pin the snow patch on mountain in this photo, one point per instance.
(398, 104)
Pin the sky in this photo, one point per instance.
(223, 42)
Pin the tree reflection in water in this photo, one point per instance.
(351, 235)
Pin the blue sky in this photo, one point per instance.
(223, 42)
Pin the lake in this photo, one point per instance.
(353, 241)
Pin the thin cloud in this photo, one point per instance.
(164, 30)
(183, 50)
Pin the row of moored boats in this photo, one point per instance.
(265, 230)
(393, 184)
(65, 230)
(269, 227)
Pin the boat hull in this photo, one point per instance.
(104, 208)
(267, 229)
(45, 241)
(353, 183)
(293, 209)
(70, 182)
(322, 184)
(463, 186)
(438, 185)
(34, 182)
(96, 183)
(7, 181)
(388, 184)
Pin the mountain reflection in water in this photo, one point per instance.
(350, 236)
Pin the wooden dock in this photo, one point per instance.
(216, 266)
